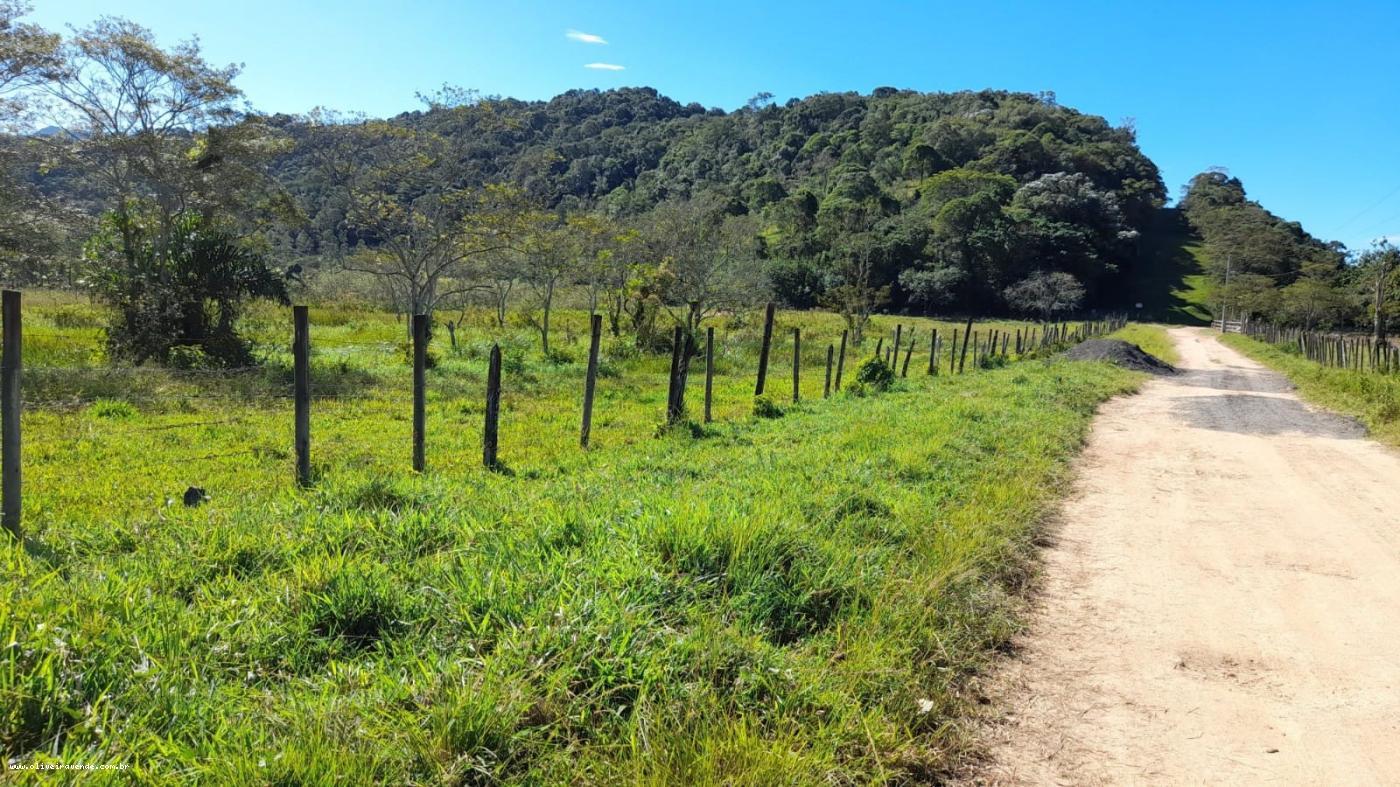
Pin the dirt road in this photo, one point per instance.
(1221, 602)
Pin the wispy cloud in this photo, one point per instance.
(582, 37)
(605, 67)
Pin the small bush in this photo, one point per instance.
(112, 408)
(557, 357)
(764, 407)
(189, 357)
(875, 375)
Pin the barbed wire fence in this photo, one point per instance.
(304, 386)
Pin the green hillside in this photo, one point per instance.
(1169, 277)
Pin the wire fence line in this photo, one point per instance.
(1364, 354)
(63, 387)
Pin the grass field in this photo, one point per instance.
(786, 600)
(1373, 398)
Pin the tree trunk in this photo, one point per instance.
(544, 322)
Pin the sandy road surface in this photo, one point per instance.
(1222, 599)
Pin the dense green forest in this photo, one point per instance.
(1269, 268)
(949, 197)
(152, 169)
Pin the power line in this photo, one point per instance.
(1364, 211)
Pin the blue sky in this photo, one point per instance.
(1301, 100)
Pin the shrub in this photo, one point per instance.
(188, 357)
(875, 375)
(179, 285)
(112, 408)
(764, 407)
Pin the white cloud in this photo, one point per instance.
(605, 67)
(582, 37)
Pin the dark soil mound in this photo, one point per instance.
(1121, 353)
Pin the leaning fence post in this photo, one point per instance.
(709, 369)
(10, 406)
(301, 393)
(763, 349)
(590, 379)
(420, 387)
(490, 433)
(841, 360)
(909, 353)
(796, 363)
(968, 336)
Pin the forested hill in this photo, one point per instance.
(948, 197)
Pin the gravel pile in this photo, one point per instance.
(1120, 353)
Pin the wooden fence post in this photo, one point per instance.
(953, 353)
(904, 371)
(490, 433)
(709, 369)
(420, 388)
(763, 349)
(830, 356)
(841, 360)
(898, 335)
(796, 363)
(11, 402)
(672, 409)
(933, 353)
(590, 379)
(968, 336)
(301, 393)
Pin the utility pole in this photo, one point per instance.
(1224, 295)
(1382, 270)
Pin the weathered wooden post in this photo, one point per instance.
(590, 379)
(11, 403)
(490, 433)
(909, 353)
(796, 363)
(709, 370)
(933, 353)
(968, 336)
(953, 353)
(763, 349)
(672, 409)
(898, 335)
(830, 356)
(301, 393)
(420, 388)
(841, 360)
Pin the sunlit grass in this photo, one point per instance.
(1152, 339)
(781, 600)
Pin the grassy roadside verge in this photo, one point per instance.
(1153, 339)
(777, 601)
(1373, 398)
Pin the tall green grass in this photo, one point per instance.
(786, 600)
(1151, 339)
(1373, 398)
